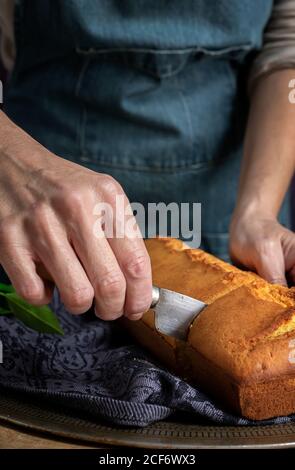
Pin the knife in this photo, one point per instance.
(174, 312)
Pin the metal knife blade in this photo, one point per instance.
(174, 312)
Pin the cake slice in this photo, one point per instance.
(240, 349)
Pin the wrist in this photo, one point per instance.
(252, 210)
(19, 149)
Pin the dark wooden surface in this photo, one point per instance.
(14, 437)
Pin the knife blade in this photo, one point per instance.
(174, 312)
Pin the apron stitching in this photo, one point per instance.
(192, 167)
(213, 52)
(187, 113)
(159, 76)
(83, 115)
(81, 76)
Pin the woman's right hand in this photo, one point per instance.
(46, 232)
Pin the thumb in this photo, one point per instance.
(270, 262)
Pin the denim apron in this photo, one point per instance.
(150, 91)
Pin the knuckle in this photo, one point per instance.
(31, 294)
(78, 299)
(137, 265)
(73, 201)
(112, 284)
(109, 185)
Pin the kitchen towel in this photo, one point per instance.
(97, 368)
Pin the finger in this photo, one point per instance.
(61, 262)
(128, 248)
(270, 262)
(102, 270)
(134, 261)
(17, 260)
(288, 244)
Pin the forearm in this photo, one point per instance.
(269, 149)
(16, 146)
(21, 157)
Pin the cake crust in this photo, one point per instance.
(240, 349)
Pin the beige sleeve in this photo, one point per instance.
(278, 51)
(7, 43)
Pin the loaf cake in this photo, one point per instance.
(241, 347)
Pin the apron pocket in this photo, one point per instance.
(156, 111)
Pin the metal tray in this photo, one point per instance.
(165, 434)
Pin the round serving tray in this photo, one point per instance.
(165, 434)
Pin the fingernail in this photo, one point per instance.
(108, 317)
(135, 316)
(279, 281)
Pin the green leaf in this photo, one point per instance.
(41, 319)
(6, 288)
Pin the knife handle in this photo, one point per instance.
(155, 296)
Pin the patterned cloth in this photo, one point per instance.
(96, 369)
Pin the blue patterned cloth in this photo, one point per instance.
(96, 369)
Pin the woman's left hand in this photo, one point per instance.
(262, 244)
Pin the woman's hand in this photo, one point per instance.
(257, 240)
(47, 221)
(261, 244)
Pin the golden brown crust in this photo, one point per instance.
(239, 346)
(234, 333)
